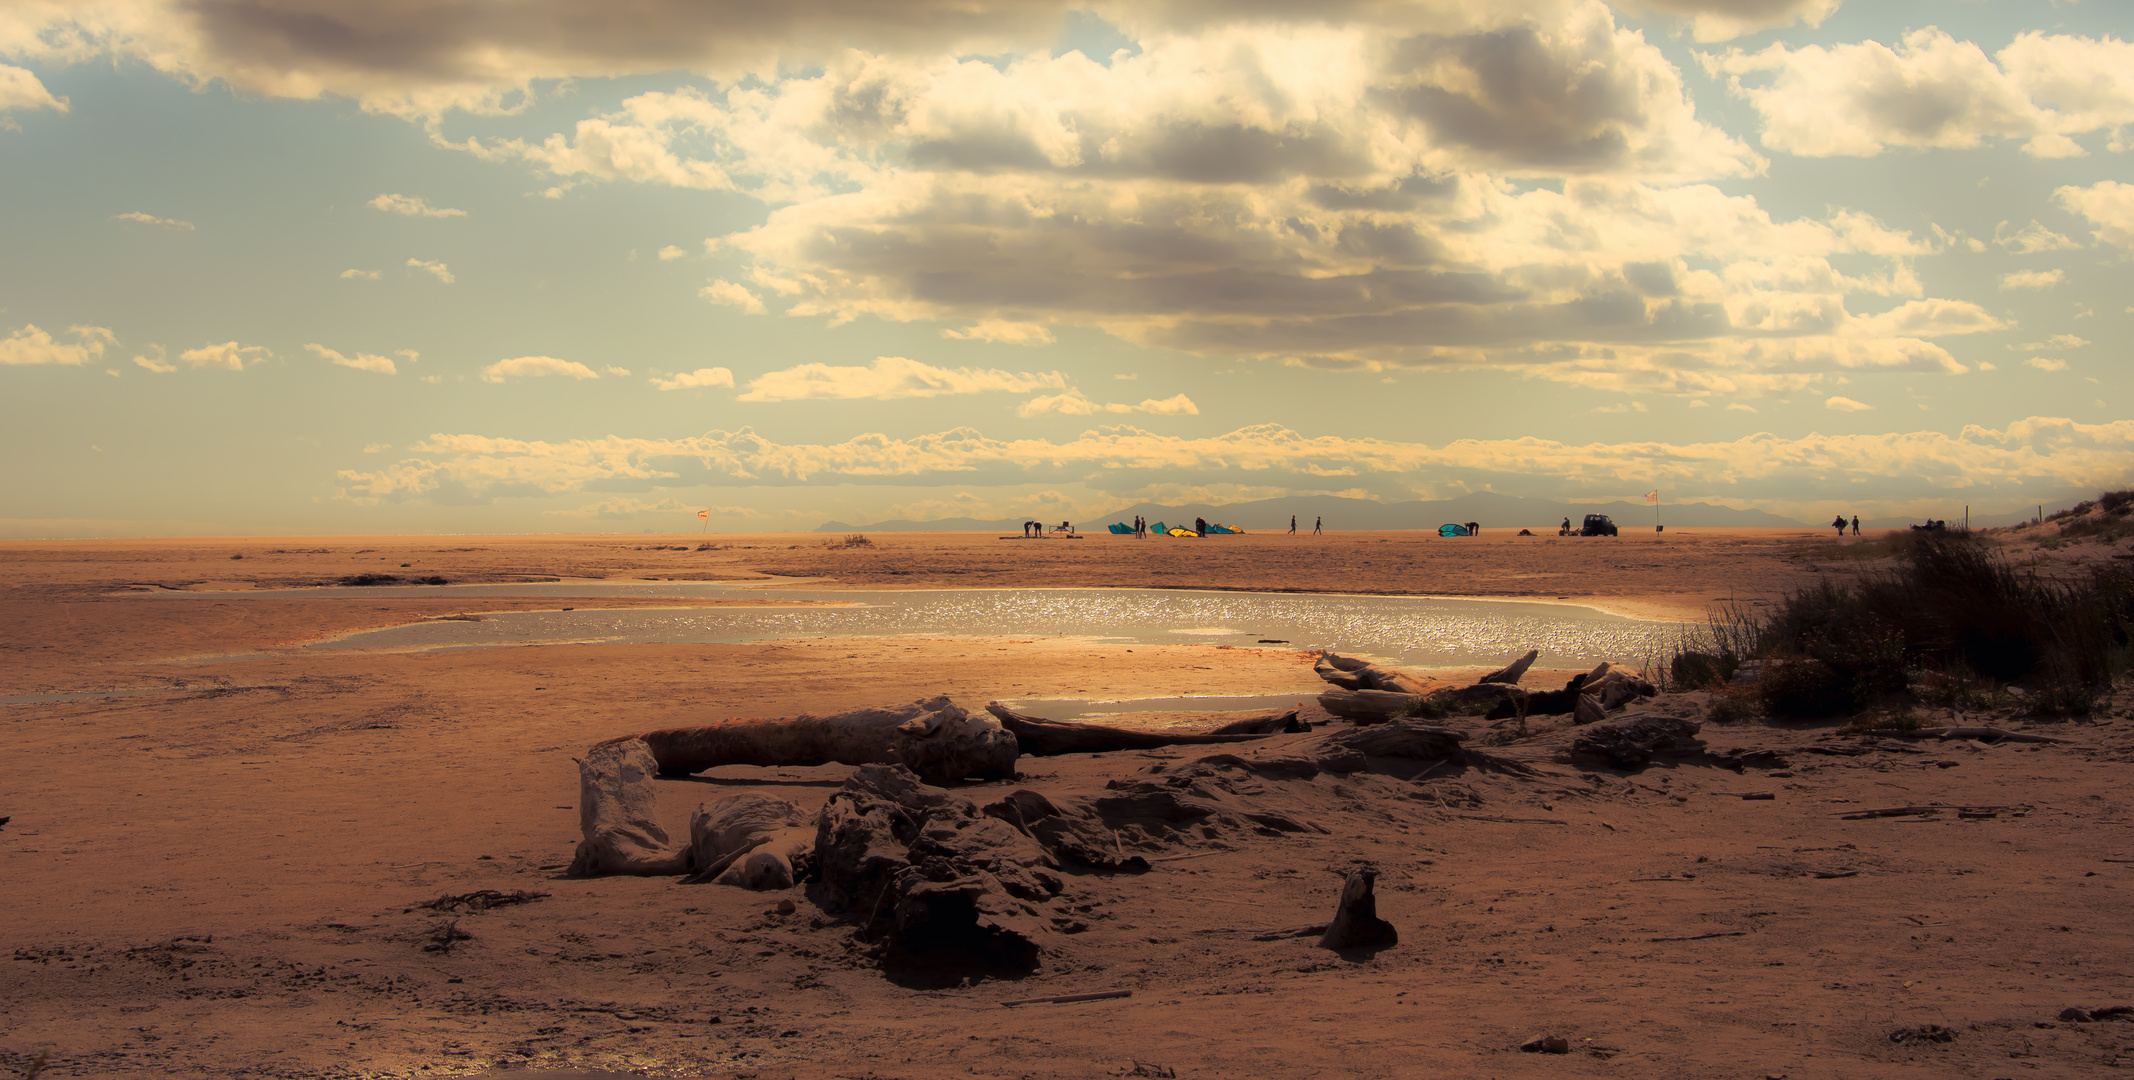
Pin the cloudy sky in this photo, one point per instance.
(276, 266)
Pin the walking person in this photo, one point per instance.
(1292, 524)
(1856, 524)
(1315, 525)
(1839, 523)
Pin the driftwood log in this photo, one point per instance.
(749, 840)
(618, 815)
(1356, 923)
(934, 738)
(1040, 736)
(1349, 673)
(1370, 706)
(1511, 673)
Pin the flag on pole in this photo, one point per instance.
(703, 515)
(1652, 496)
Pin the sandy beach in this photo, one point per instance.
(218, 871)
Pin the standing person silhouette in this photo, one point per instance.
(1856, 524)
(1292, 524)
(1839, 522)
(1315, 525)
(1200, 526)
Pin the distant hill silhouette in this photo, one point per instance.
(1492, 510)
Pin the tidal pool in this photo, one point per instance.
(1413, 631)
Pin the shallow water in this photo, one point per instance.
(1409, 630)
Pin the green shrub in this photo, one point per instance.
(2063, 699)
(1805, 688)
(1732, 706)
(1697, 670)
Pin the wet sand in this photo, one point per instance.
(221, 880)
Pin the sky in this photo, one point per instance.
(471, 266)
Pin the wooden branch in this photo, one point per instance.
(1313, 930)
(1983, 734)
(1196, 855)
(1064, 999)
(1510, 673)
(1902, 811)
(1704, 937)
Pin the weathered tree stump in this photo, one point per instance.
(1356, 923)
(618, 815)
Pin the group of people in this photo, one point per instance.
(1838, 523)
(1293, 525)
(1037, 529)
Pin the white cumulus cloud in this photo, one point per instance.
(382, 365)
(1857, 99)
(1846, 404)
(528, 367)
(892, 377)
(2045, 363)
(2109, 206)
(20, 89)
(691, 380)
(229, 356)
(360, 275)
(436, 270)
(1074, 403)
(1723, 20)
(2031, 239)
(141, 218)
(670, 252)
(1001, 331)
(31, 345)
(732, 295)
(412, 206)
(2032, 279)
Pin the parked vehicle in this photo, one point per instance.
(1597, 525)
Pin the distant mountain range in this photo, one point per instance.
(1342, 514)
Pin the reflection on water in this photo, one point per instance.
(1407, 630)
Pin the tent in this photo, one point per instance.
(1453, 530)
(1121, 528)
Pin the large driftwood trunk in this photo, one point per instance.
(618, 815)
(934, 738)
(1041, 736)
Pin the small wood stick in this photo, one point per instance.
(1064, 999)
(1182, 858)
